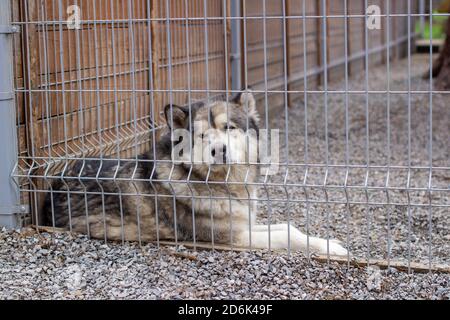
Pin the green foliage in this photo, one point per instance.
(437, 29)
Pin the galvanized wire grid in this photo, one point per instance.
(96, 93)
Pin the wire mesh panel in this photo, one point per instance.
(129, 129)
(190, 50)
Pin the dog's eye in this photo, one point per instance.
(230, 127)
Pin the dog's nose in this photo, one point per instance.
(217, 152)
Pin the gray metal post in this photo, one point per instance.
(9, 194)
(236, 83)
(422, 16)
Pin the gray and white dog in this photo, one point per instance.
(166, 199)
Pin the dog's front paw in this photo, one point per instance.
(331, 247)
(336, 248)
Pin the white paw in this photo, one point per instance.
(336, 248)
(333, 247)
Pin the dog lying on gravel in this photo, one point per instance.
(179, 200)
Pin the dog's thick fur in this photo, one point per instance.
(117, 200)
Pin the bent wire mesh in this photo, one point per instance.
(293, 125)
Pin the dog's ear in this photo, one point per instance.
(176, 116)
(247, 101)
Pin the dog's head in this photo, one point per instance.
(211, 137)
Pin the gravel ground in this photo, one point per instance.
(66, 266)
(370, 229)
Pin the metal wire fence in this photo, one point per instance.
(351, 143)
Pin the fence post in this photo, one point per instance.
(422, 17)
(287, 43)
(9, 193)
(236, 74)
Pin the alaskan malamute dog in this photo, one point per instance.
(179, 200)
